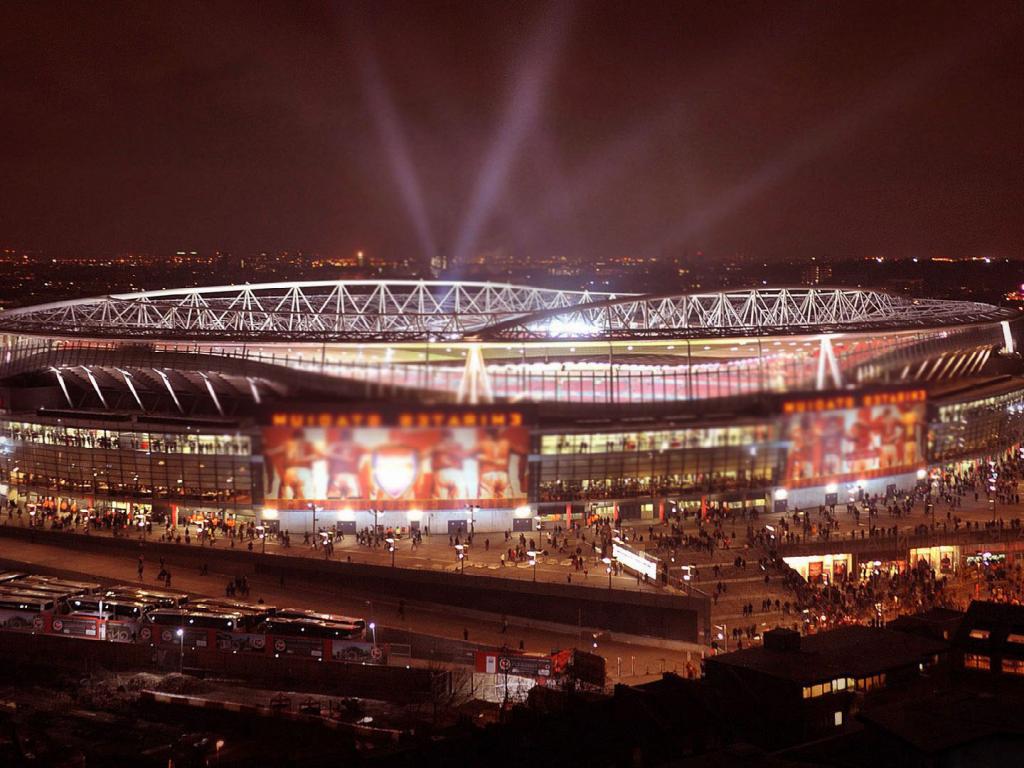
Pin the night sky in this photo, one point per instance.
(588, 130)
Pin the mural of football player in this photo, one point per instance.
(447, 460)
(493, 453)
(293, 460)
(343, 457)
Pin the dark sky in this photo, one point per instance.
(590, 129)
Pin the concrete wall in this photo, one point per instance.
(297, 521)
(812, 497)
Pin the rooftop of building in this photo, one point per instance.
(852, 651)
(942, 722)
(992, 624)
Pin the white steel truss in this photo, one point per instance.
(758, 311)
(373, 310)
(368, 310)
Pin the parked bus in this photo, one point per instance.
(357, 627)
(25, 612)
(200, 629)
(72, 587)
(254, 613)
(117, 620)
(159, 598)
(304, 637)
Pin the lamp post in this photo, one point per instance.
(391, 546)
(181, 654)
(461, 556)
(313, 509)
(533, 561)
(373, 629)
(608, 567)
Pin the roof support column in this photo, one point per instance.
(475, 386)
(170, 389)
(131, 387)
(63, 386)
(1008, 345)
(827, 364)
(95, 386)
(253, 389)
(213, 394)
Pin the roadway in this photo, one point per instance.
(639, 662)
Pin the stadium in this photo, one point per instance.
(491, 406)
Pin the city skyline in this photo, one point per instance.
(537, 129)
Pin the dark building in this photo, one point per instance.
(936, 623)
(796, 688)
(990, 640)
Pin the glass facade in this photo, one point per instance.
(977, 428)
(679, 461)
(122, 464)
(738, 463)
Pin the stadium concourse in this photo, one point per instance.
(480, 408)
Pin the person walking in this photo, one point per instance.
(140, 567)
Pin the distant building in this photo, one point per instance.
(816, 274)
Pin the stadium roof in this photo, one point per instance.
(421, 311)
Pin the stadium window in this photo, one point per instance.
(837, 718)
(980, 634)
(1013, 637)
(807, 692)
(816, 691)
(977, 661)
(1013, 666)
(839, 684)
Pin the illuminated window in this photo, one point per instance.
(807, 692)
(839, 684)
(980, 634)
(1015, 638)
(1013, 666)
(816, 691)
(837, 718)
(977, 661)
(870, 683)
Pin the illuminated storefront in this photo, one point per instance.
(821, 568)
(943, 558)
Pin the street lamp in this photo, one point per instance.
(373, 629)
(533, 561)
(181, 655)
(608, 567)
(261, 531)
(461, 555)
(313, 508)
(391, 546)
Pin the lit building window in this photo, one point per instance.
(1013, 666)
(870, 683)
(980, 634)
(977, 661)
